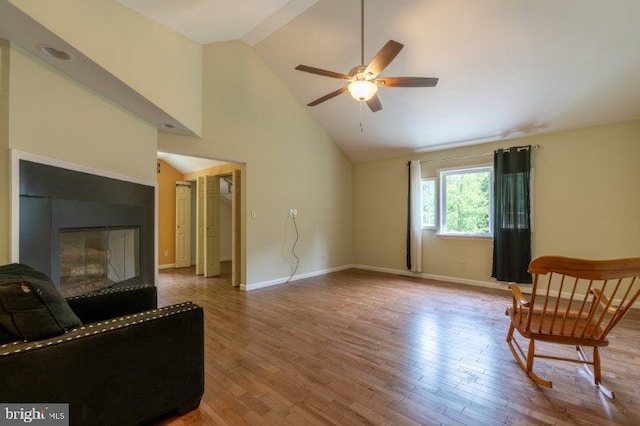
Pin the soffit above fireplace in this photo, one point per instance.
(21, 29)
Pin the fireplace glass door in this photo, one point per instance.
(94, 258)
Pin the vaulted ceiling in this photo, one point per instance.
(507, 68)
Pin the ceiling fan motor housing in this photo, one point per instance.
(358, 73)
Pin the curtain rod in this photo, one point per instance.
(438, 160)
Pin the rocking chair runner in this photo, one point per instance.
(573, 302)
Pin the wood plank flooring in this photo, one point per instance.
(358, 347)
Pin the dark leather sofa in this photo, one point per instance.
(129, 362)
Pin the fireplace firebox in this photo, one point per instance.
(94, 258)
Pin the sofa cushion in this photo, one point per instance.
(31, 307)
(113, 302)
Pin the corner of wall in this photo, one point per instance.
(5, 202)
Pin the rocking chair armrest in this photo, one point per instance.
(602, 299)
(517, 295)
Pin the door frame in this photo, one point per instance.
(211, 225)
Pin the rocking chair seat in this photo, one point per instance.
(537, 329)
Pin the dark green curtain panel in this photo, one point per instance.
(511, 215)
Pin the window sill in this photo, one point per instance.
(465, 236)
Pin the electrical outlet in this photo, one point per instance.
(166, 252)
(293, 212)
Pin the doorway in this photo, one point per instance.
(214, 217)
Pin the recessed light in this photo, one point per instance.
(167, 126)
(53, 52)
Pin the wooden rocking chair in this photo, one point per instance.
(573, 302)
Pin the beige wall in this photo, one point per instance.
(53, 116)
(157, 62)
(249, 116)
(585, 203)
(167, 213)
(5, 242)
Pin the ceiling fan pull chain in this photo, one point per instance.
(361, 127)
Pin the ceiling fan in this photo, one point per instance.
(364, 80)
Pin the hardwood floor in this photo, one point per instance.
(357, 347)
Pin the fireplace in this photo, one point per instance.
(86, 231)
(94, 258)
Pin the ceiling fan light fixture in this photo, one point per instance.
(362, 90)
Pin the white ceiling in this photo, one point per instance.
(186, 164)
(207, 21)
(507, 68)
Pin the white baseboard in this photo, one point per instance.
(457, 280)
(386, 270)
(277, 281)
(167, 266)
(477, 283)
(465, 281)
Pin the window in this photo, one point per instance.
(466, 201)
(429, 203)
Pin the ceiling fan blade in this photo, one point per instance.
(407, 81)
(374, 103)
(325, 73)
(329, 96)
(382, 59)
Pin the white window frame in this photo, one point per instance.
(435, 203)
(442, 173)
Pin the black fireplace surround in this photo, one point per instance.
(53, 198)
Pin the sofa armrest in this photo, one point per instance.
(128, 370)
(113, 302)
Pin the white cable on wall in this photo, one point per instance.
(293, 250)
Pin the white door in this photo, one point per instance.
(212, 226)
(200, 226)
(183, 224)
